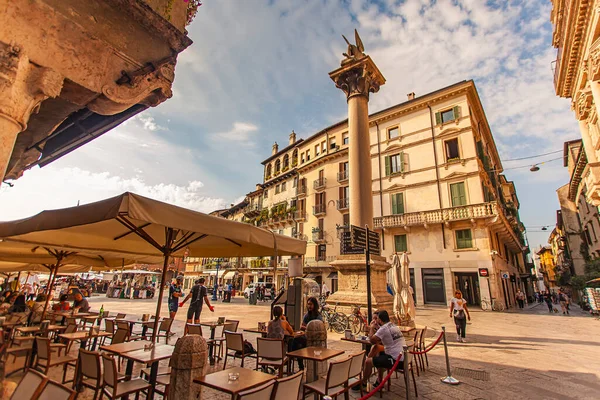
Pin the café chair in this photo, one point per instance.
(30, 385)
(123, 325)
(114, 389)
(234, 343)
(231, 325)
(334, 384)
(271, 353)
(407, 366)
(89, 370)
(46, 360)
(260, 393)
(192, 329)
(219, 339)
(120, 316)
(355, 376)
(56, 391)
(164, 330)
(288, 387)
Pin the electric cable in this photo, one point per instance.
(536, 156)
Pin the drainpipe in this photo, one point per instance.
(437, 172)
(380, 183)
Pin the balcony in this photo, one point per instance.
(472, 212)
(253, 210)
(342, 176)
(319, 184)
(343, 204)
(301, 190)
(300, 236)
(300, 215)
(320, 209)
(319, 261)
(318, 236)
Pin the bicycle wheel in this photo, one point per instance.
(485, 306)
(340, 323)
(354, 324)
(498, 307)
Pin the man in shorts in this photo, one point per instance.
(390, 336)
(199, 295)
(174, 294)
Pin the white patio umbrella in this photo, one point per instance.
(404, 306)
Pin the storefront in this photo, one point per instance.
(434, 291)
(468, 284)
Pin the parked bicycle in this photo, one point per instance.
(333, 319)
(494, 305)
(357, 322)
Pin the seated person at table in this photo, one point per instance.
(299, 342)
(19, 305)
(81, 302)
(63, 304)
(390, 336)
(7, 303)
(373, 327)
(5, 296)
(278, 328)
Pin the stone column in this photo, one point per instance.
(316, 335)
(188, 362)
(23, 86)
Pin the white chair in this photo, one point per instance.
(260, 393)
(355, 376)
(288, 387)
(334, 384)
(30, 386)
(271, 353)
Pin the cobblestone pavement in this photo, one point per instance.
(522, 354)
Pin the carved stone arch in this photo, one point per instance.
(277, 165)
(392, 148)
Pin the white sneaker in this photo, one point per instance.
(463, 340)
(458, 338)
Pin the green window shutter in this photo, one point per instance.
(388, 166)
(456, 112)
(438, 118)
(401, 161)
(400, 203)
(458, 195)
(394, 204)
(400, 244)
(464, 239)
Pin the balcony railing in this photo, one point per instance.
(301, 190)
(300, 215)
(475, 211)
(252, 210)
(318, 236)
(312, 261)
(320, 183)
(300, 236)
(343, 176)
(343, 204)
(319, 209)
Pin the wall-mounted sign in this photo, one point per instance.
(483, 272)
(505, 275)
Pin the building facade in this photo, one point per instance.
(437, 192)
(547, 265)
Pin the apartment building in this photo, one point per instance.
(438, 194)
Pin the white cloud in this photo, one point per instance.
(242, 134)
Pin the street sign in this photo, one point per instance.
(359, 239)
(505, 275)
(346, 245)
(483, 272)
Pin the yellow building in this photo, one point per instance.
(547, 260)
(438, 194)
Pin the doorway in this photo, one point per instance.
(468, 284)
(433, 285)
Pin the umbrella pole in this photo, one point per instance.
(18, 281)
(160, 295)
(50, 286)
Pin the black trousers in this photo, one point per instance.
(298, 343)
(461, 326)
(521, 303)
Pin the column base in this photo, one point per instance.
(352, 284)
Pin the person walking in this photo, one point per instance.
(460, 312)
(564, 301)
(174, 294)
(520, 298)
(548, 300)
(199, 295)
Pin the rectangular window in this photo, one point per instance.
(332, 143)
(458, 194)
(323, 147)
(317, 148)
(266, 194)
(346, 219)
(445, 116)
(464, 239)
(283, 187)
(277, 189)
(400, 244)
(452, 149)
(307, 155)
(393, 133)
(345, 138)
(302, 157)
(397, 203)
(394, 164)
(295, 184)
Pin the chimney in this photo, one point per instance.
(411, 96)
(275, 149)
(292, 137)
(258, 186)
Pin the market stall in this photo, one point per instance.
(131, 284)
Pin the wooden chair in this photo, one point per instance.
(164, 330)
(355, 375)
(421, 347)
(219, 339)
(288, 387)
(231, 325)
(55, 391)
(30, 385)
(114, 389)
(89, 370)
(259, 393)
(120, 316)
(407, 366)
(271, 353)
(334, 384)
(234, 342)
(192, 329)
(46, 360)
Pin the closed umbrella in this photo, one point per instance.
(397, 286)
(406, 292)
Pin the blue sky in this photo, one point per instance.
(259, 68)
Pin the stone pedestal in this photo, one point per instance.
(352, 283)
(188, 362)
(316, 335)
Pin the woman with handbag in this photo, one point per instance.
(460, 313)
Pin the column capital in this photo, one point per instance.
(358, 78)
(582, 103)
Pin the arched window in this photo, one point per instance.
(286, 162)
(268, 174)
(277, 166)
(295, 158)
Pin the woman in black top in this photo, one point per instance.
(19, 305)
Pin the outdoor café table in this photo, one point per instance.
(366, 344)
(264, 333)
(83, 336)
(149, 357)
(121, 348)
(26, 330)
(132, 322)
(211, 344)
(308, 353)
(248, 379)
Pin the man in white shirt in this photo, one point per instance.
(390, 336)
